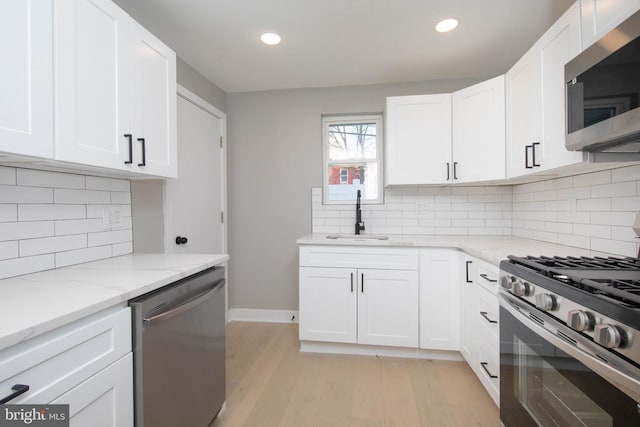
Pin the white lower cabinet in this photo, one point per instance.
(86, 364)
(480, 344)
(439, 299)
(359, 304)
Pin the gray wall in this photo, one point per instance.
(275, 158)
(191, 79)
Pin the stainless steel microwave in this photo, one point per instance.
(602, 93)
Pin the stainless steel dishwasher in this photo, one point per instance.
(179, 352)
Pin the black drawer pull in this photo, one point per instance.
(484, 366)
(18, 389)
(484, 314)
(144, 152)
(533, 155)
(485, 277)
(351, 282)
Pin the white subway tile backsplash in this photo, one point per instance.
(44, 222)
(613, 246)
(631, 204)
(620, 189)
(629, 173)
(590, 230)
(625, 234)
(594, 178)
(9, 250)
(8, 212)
(17, 194)
(26, 265)
(108, 184)
(50, 245)
(82, 255)
(38, 178)
(37, 212)
(613, 218)
(25, 230)
(109, 237)
(593, 205)
(82, 197)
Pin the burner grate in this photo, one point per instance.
(628, 291)
(544, 263)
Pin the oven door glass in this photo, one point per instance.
(540, 385)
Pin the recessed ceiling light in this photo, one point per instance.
(270, 38)
(446, 25)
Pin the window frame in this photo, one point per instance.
(329, 120)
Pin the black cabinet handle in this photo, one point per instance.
(181, 240)
(485, 277)
(467, 268)
(484, 314)
(18, 389)
(130, 138)
(448, 171)
(533, 155)
(455, 170)
(144, 153)
(351, 282)
(526, 156)
(362, 283)
(484, 366)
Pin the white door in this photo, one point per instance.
(388, 307)
(26, 78)
(195, 201)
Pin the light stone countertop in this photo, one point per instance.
(36, 303)
(491, 249)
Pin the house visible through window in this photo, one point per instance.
(352, 158)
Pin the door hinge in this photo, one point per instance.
(222, 217)
(221, 141)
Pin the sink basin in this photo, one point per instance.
(357, 237)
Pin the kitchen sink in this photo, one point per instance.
(357, 237)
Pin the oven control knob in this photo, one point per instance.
(507, 282)
(608, 336)
(522, 289)
(580, 320)
(546, 302)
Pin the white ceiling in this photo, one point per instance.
(344, 42)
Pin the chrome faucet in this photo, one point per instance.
(359, 221)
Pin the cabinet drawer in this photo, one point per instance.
(487, 276)
(488, 317)
(488, 368)
(53, 363)
(359, 257)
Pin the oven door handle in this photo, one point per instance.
(627, 384)
(186, 306)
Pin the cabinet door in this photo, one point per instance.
(154, 97)
(93, 82)
(26, 78)
(328, 304)
(105, 399)
(523, 112)
(388, 307)
(418, 139)
(559, 45)
(479, 132)
(601, 16)
(468, 298)
(439, 299)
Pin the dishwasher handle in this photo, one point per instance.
(188, 305)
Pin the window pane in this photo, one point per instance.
(356, 141)
(344, 180)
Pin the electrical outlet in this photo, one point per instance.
(111, 217)
(422, 208)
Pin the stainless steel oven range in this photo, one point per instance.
(569, 341)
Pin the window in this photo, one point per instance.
(352, 148)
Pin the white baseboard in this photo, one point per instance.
(253, 315)
(374, 350)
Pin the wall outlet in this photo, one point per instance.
(111, 217)
(422, 208)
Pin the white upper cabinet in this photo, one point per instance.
(601, 16)
(418, 139)
(479, 132)
(535, 101)
(115, 91)
(26, 86)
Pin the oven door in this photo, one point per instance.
(546, 380)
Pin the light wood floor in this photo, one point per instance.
(270, 383)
